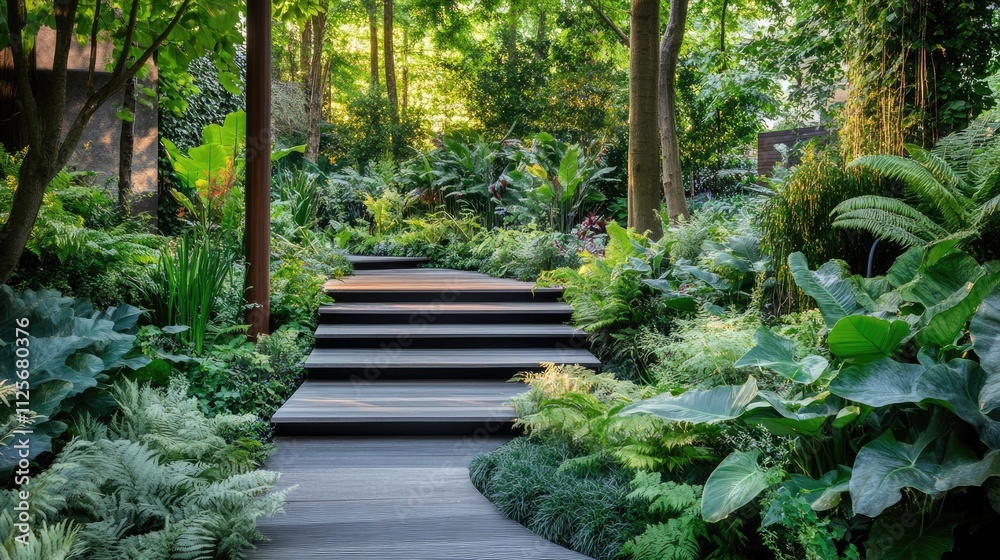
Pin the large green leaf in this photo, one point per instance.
(936, 282)
(777, 354)
(891, 539)
(792, 418)
(822, 494)
(905, 268)
(861, 339)
(736, 481)
(985, 331)
(879, 383)
(699, 406)
(886, 466)
(959, 386)
(833, 293)
(946, 320)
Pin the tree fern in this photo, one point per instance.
(960, 186)
(950, 203)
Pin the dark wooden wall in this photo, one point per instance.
(768, 156)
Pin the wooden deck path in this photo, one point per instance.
(405, 386)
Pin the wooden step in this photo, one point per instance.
(437, 363)
(441, 313)
(448, 336)
(435, 285)
(398, 408)
(366, 262)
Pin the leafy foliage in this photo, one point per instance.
(74, 352)
(161, 481)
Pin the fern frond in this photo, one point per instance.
(897, 235)
(939, 168)
(919, 180)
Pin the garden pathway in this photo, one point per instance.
(406, 384)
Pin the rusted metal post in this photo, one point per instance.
(258, 182)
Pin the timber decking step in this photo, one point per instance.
(440, 313)
(398, 408)
(448, 336)
(437, 363)
(366, 262)
(435, 285)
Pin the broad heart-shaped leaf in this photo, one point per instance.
(861, 339)
(232, 133)
(905, 268)
(886, 466)
(569, 166)
(891, 539)
(712, 279)
(699, 406)
(737, 480)
(879, 383)
(985, 330)
(959, 386)
(833, 293)
(944, 321)
(790, 417)
(776, 353)
(822, 494)
(937, 282)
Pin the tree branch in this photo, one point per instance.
(116, 82)
(93, 47)
(129, 36)
(29, 105)
(622, 37)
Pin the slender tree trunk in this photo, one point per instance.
(316, 89)
(540, 33)
(305, 49)
(670, 48)
(643, 140)
(126, 149)
(405, 101)
(373, 43)
(619, 34)
(42, 114)
(390, 62)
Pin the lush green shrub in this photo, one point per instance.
(160, 481)
(588, 511)
(81, 244)
(367, 132)
(73, 352)
(797, 218)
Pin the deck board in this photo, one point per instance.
(391, 499)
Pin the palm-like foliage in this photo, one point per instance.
(943, 199)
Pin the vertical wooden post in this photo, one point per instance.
(258, 169)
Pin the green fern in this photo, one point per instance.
(944, 204)
(158, 482)
(679, 535)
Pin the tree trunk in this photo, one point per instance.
(540, 33)
(643, 140)
(670, 48)
(390, 62)
(373, 43)
(305, 48)
(42, 114)
(405, 101)
(126, 149)
(316, 89)
(619, 34)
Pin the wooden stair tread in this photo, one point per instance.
(443, 307)
(428, 282)
(450, 358)
(512, 330)
(395, 401)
